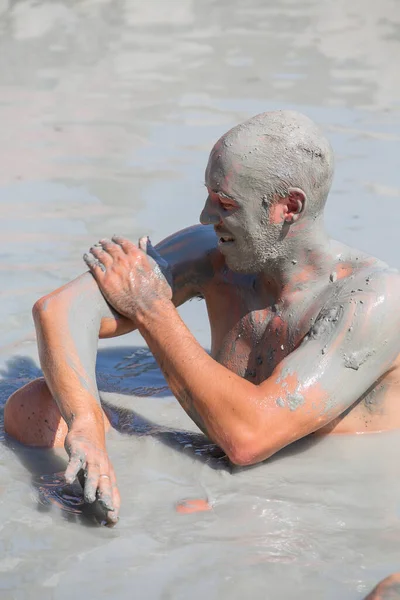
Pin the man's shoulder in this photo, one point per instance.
(356, 269)
(355, 259)
(191, 243)
(193, 256)
(367, 282)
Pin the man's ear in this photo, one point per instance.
(295, 202)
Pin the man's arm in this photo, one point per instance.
(69, 322)
(353, 342)
(351, 345)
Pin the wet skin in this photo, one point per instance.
(258, 339)
(304, 330)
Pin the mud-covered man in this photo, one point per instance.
(305, 330)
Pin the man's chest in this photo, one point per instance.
(250, 336)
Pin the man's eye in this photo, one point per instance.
(227, 206)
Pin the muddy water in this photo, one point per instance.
(108, 111)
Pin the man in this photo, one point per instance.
(304, 329)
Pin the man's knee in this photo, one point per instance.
(388, 589)
(31, 416)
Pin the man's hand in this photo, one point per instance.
(130, 277)
(90, 458)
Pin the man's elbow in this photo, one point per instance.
(40, 308)
(49, 312)
(250, 450)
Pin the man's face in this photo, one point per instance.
(247, 237)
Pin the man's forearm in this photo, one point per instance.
(222, 404)
(67, 327)
(70, 380)
(233, 412)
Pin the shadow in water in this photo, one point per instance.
(130, 371)
(47, 478)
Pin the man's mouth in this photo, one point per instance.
(224, 238)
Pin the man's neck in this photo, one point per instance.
(305, 260)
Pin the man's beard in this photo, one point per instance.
(245, 259)
(258, 251)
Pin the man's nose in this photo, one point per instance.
(209, 215)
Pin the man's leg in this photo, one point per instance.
(388, 589)
(31, 416)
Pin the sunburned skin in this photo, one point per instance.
(304, 330)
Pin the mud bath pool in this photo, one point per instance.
(108, 111)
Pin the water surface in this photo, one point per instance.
(108, 111)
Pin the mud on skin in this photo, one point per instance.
(285, 358)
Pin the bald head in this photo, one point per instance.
(270, 153)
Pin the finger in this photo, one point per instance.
(116, 498)
(151, 251)
(101, 256)
(113, 516)
(76, 464)
(95, 266)
(142, 244)
(126, 245)
(92, 483)
(104, 493)
(111, 247)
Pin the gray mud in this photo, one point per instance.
(108, 111)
